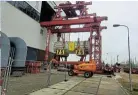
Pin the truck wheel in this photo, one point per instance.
(87, 74)
(70, 73)
(91, 74)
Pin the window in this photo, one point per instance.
(26, 8)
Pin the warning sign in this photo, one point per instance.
(71, 46)
(79, 52)
(60, 52)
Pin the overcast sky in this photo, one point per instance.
(114, 40)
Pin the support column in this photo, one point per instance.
(100, 52)
(48, 34)
(90, 51)
(97, 51)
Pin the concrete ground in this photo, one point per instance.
(32, 82)
(97, 85)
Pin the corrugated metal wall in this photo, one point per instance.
(31, 54)
(40, 55)
(34, 54)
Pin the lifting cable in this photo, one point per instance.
(78, 42)
(79, 33)
(78, 36)
(65, 66)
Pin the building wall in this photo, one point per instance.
(15, 23)
(0, 17)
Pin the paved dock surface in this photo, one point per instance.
(32, 82)
(97, 85)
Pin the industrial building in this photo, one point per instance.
(20, 21)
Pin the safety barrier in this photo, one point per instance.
(33, 66)
(30, 65)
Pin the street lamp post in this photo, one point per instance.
(130, 65)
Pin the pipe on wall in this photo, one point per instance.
(5, 49)
(20, 53)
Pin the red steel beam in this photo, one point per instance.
(75, 30)
(72, 5)
(88, 16)
(72, 21)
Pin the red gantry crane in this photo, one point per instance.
(91, 23)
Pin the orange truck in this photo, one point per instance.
(86, 68)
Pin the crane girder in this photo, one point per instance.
(76, 30)
(73, 21)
